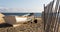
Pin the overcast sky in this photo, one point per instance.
(22, 5)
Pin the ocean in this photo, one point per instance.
(20, 14)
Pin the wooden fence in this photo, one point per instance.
(51, 16)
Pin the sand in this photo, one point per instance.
(26, 27)
(1, 18)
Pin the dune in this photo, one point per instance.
(1, 18)
(26, 27)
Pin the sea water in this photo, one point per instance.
(20, 14)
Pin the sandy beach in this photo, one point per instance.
(26, 27)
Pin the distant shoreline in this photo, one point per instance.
(20, 14)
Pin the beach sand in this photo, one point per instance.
(26, 27)
(1, 18)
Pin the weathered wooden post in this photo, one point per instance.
(51, 16)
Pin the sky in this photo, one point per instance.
(23, 5)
